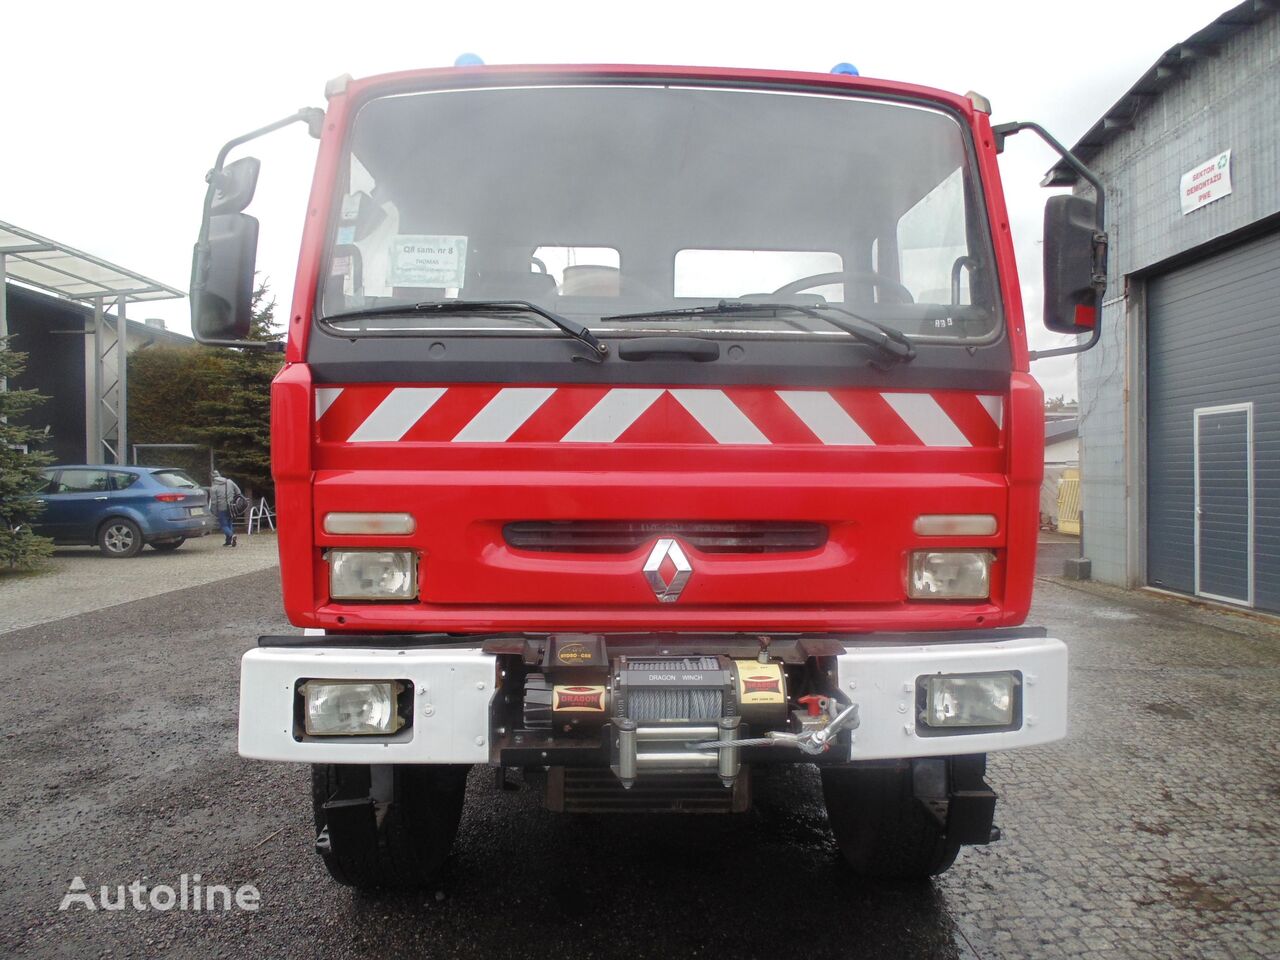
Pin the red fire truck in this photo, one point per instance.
(640, 427)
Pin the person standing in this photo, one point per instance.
(222, 494)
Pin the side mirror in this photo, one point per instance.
(222, 265)
(1072, 290)
(234, 185)
(222, 279)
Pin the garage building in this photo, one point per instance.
(1180, 403)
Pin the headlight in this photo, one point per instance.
(350, 708)
(975, 700)
(373, 574)
(950, 575)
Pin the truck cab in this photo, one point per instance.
(640, 427)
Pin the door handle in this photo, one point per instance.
(99, 498)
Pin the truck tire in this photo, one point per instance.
(883, 831)
(399, 845)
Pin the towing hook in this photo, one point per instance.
(813, 742)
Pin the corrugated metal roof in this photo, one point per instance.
(1055, 430)
(1165, 71)
(75, 311)
(71, 273)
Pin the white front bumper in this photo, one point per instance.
(454, 687)
(882, 681)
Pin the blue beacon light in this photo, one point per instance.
(848, 69)
(468, 60)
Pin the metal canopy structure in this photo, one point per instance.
(72, 274)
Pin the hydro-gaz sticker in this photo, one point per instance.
(428, 261)
(759, 682)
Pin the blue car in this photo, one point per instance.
(122, 508)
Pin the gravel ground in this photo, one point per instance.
(1150, 832)
(81, 579)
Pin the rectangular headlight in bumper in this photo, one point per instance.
(949, 575)
(373, 574)
(351, 708)
(965, 701)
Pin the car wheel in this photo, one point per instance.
(119, 538)
(169, 545)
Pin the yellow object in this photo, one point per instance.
(1069, 502)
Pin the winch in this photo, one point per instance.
(675, 714)
(663, 706)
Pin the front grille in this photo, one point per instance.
(623, 536)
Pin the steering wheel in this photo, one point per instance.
(877, 280)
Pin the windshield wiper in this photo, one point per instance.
(888, 340)
(569, 327)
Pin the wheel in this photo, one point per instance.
(883, 831)
(169, 545)
(373, 844)
(120, 537)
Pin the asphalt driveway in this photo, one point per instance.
(1150, 832)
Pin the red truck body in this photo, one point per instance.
(988, 460)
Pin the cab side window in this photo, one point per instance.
(82, 481)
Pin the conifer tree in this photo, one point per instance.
(213, 396)
(20, 468)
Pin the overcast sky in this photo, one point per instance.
(114, 111)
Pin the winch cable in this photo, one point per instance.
(694, 704)
(812, 742)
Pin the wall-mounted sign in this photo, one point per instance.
(1208, 182)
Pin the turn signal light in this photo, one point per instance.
(955, 525)
(369, 524)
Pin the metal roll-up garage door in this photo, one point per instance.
(1213, 426)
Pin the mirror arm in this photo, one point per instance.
(313, 117)
(1100, 242)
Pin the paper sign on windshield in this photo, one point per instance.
(428, 261)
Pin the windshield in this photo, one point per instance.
(598, 201)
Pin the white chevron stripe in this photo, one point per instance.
(720, 416)
(504, 414)
(994, 406)
(829, 421)
(324, 399)
(927, 419)
(401, 409)
(617, 410)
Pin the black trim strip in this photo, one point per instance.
(810, 644)
(744, 362)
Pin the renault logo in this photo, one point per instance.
(667, 570)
